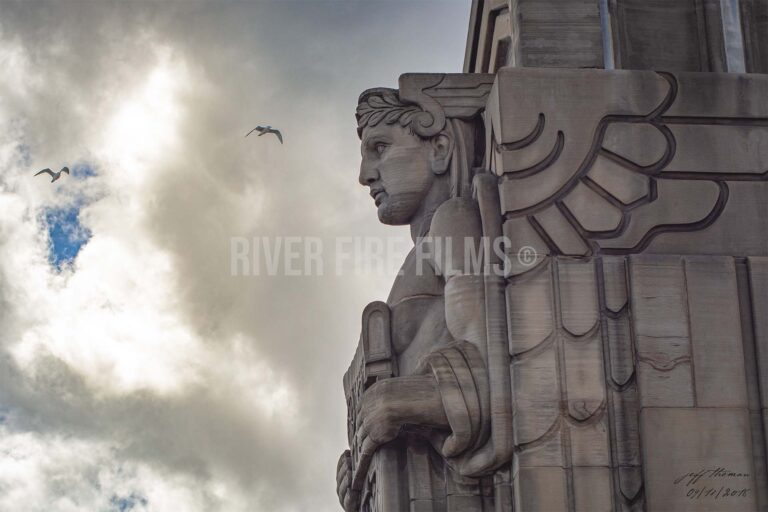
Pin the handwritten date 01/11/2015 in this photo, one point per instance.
(710, 484)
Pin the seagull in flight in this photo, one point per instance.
(54, 175)
(266, 129)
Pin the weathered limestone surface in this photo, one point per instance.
(677, 35)
(712, 467)
(634, 334)
(605, 346)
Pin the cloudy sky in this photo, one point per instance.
(136, 371)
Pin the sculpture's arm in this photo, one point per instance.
(386, 408)
(449, 397)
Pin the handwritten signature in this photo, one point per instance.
(704, 483)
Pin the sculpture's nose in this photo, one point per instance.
(368, 174)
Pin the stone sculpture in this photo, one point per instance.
(420, 151)
(564, 382)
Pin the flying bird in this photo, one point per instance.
(266, 129)
(54, 175)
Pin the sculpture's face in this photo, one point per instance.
(397, 167)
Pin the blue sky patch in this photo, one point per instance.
(66, 235)
(82, 171)
(127, 503)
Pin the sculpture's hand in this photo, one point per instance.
(390, 404)
(348, 497)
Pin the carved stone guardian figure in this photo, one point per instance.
(421, 147)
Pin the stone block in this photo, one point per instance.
(530, 317)
(584, 376)
(715, 323)
(541, 489)
(660, 322)
(758, 284)
(577, 284)
(592, 489)
(614, 282)
(536, 385)
(697, 460)
(589, 443)
(659, 34)
(553, 33)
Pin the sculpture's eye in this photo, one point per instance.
(380, 147)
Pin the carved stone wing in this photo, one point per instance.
(605, 162)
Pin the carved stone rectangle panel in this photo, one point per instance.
(615, 282)
(727, 95)
(660, 322)
(659, 34)
(665, 386)
(530, 317)
(592, 489)
(536, 407)
(659, 306)
(554, 33)
(719, 149)
(718, 357)
(697, 460)
(758, 281)
(589, 442)
(578, 295)
(584, 376)
(754, 20)
(540, 489)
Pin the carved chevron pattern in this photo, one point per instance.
(574, 389)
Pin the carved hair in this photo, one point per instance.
(383, 105)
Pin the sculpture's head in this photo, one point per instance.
(399, 166)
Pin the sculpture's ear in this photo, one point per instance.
(441, 151)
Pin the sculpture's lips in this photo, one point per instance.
(378, 195)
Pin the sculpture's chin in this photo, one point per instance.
(392, 216)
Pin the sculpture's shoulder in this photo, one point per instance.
(417, 278)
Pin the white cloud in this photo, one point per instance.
(145, 369)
